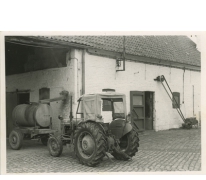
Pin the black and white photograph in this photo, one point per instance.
(102, 103)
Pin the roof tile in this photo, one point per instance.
(172, 48)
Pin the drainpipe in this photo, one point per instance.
(83, 72)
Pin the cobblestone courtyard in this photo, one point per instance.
(172, 150)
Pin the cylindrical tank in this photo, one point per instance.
(28, 115)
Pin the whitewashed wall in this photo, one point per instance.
(101, 73)
(57, 79)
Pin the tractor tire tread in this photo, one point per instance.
(100, 141)
(132, 149)
(59, 152)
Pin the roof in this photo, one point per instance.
(172, 48)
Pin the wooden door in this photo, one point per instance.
(137, 109)
(11, 102)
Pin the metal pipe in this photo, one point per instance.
(83, 72)
(193, 102)
(183, 86)
(124, 53)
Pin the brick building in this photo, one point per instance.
(41, 67)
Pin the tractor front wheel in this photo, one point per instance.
(16, 139)
(89, 144)
(55, 146)
(129, 144)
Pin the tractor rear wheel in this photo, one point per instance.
(16, 139)
(129, 144)
(89, 143)
(55, 146)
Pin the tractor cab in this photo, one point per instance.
(102, 107)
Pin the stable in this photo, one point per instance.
(41, 67)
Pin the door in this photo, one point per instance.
(11, 102)
(137, 105)
(149, 96)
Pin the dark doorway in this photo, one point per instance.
(12, 100)
(149, 99)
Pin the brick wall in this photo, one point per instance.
(101, 73)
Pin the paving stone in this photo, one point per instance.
(171, 150)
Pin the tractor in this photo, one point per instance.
(101, 126)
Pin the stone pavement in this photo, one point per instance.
(171, 150)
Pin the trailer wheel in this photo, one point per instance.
(55, 146)
(89, 144)
(44, 140)
(16, 139)
(129, 144)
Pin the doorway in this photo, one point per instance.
(141, 109)
(149, 100)
(12, 100)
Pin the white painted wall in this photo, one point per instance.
(57, 80)
(101, 73)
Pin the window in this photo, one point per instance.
(23, 98)
(176, 100)
(89, 107)
(44, 93)
(107, 105)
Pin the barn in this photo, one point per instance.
(41, 67)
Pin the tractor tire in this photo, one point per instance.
(16, 139)
(89, 144)
(129, 144)
(44, 140)
(55, 146)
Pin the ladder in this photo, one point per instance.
(164, 83)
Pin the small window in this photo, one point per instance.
(23, 98)
(44, 93)
(176, 100)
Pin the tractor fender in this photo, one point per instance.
(119, 128)
(100, 126)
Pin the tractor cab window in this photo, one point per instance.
(112, 108)
(89, 108)
(79, 109)
(118, 109)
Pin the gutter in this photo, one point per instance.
(37, 40)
